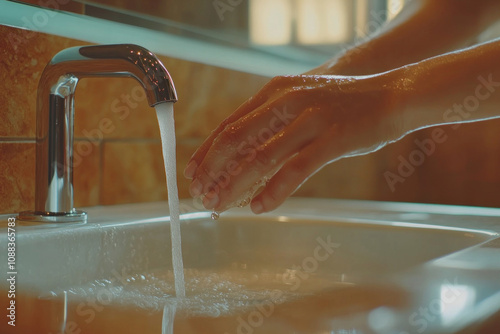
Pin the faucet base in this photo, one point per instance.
(75, 216)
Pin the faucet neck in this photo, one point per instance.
(54, 147)
(55, 111)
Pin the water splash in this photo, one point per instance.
(215, 215)
(211, 293)
(165, 114)
(248, 195)
(244, 202)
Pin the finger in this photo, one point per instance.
(273, 87)
(241, 182)
(294, 173)
(241, 139)
(241, 111)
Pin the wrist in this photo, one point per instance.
(349, 63)
(399, 93)
(451, 88)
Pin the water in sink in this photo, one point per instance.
(165, 115)
(208, 293)
(230, 300)
(221, 296)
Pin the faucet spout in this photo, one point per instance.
(111, 60)
(55, 114)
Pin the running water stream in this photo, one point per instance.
(165, 114)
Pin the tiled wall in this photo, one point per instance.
(122, 163)
(118, 163)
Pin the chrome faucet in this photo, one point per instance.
(55, 116)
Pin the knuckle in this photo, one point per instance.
(278, 82)
(278, 79)
(229, 135)
(292, 98)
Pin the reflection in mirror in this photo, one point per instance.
(305, 31)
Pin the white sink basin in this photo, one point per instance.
(319, 266)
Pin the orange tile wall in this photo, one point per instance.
(125, 165)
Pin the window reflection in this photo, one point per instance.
(270, 22)
(323, 21)
(317, 22)
(393, 8)
(455, 300)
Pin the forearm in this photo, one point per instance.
(453, 88)
(424, 29)
(296, 124)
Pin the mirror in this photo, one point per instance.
(308, 32)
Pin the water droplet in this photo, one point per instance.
(215, 215)
(244, 202)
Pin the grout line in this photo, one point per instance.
(191, 140)
(27, 140)
(18, 140)
(122, 140)
(101, 171)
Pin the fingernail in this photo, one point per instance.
(210, 201)
(257, 207)
(196, 188)
(190, 169)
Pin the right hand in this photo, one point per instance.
(290, 129)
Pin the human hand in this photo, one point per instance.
(290, 129)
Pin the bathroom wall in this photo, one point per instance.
(117, 148)
(118, 155)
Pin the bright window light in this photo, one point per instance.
(393, 8)
(362, 8)
(323, 21)
(455, 301)
(270, 21)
